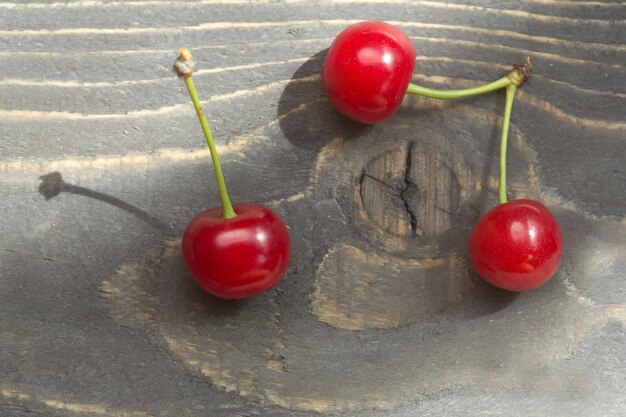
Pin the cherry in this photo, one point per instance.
(238, 257)
(368, 71)
(516, 245)
(231, 251)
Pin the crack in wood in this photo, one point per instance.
(407, 187)
(378, 181)
(444, 210)
(411, 187)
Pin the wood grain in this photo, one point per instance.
(379, 314)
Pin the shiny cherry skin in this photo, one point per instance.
(367, 71)
(516, 245)
(239, 257)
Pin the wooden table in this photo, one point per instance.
(103, 164)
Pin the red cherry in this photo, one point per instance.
(232, 251)
(516, 245)
(238, 257)
(367, 71)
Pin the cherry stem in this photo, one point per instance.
(506, 121)
(183, 67)
(451, 94)
(517, 76)
(514, 79)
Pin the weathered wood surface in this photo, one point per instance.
(102, 165)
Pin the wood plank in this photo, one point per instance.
(102, 165)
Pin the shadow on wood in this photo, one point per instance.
(306, 117)
(52, 185)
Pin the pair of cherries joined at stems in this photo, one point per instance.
(516, 245)
(235, 251)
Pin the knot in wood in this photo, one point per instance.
(411, 191)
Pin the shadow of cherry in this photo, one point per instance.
(306, 117)
(482, 300)
(53, 184)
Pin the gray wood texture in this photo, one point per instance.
(102, 164)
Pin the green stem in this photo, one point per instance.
(450, 94)
(227, 208)
(506, 121)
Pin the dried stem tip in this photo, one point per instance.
(183, 66)
(521, 72)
